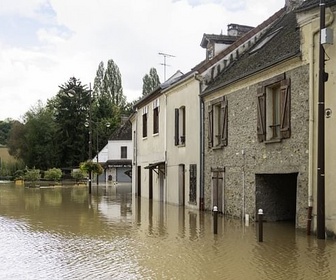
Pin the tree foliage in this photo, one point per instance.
(72, 109)
(150, 81)
(5, 127)
(55, 135)
(90, 166)
(39, 134)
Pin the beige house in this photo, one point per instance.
(149, 146)
(183, 141)
(308, 17)
(168, 162)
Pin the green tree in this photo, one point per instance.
(113, 85)
(108, 103)
(39, 147)
(16, 142)
(150, 81)
(72, 109)
(5, 127)
(98, 85)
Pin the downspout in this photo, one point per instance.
(201, 135)
(165, 186)
(311, 117)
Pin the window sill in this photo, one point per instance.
(217, 148)
(155, 134)
(271, 141)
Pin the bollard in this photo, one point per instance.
(215, 221)
(260, 220)
(247, 220)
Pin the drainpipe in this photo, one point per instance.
(311, 109)
(201, 135)
(320, 200)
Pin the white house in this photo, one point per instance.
(116, 156)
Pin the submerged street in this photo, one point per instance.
(63, 233)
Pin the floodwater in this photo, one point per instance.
(64, 233)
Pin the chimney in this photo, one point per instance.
(292, 4)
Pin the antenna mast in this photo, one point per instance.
(165, 55)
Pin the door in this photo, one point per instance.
(181, 182)
(217, 189)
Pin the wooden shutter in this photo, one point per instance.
(210, 128)
(224, 115)
(177, 126)
(261, 114)
(285, 109)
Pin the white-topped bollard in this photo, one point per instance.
(215, 221)
(247, 220)
(260, 220)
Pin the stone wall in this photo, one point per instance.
(244, 156)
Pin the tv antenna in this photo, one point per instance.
(165, 55)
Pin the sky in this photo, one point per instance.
(43, 43)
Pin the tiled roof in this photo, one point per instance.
(217, 38)
(124, 132)
(206, 64)
(309, 4)
(279, 43)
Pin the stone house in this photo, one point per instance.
(257, 126)
(260, 123)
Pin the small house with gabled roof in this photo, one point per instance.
(116, 156)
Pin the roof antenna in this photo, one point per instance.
(165, 55)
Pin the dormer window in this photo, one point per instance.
(210, 52)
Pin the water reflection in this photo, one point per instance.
(64, 233)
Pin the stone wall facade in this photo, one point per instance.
(244, 157)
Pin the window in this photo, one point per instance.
(123, 151)
(180, 126)
(273, 110)
(156, 116)
(144, 121)
(218, 123)
(192, 183)
(210, 52)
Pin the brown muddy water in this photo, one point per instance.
(63, 233)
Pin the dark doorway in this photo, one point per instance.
(276, 196)
(217, 188)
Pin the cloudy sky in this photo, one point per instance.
(45, 42)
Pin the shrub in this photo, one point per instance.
(54, 174)
(32, 175)
(78, 174)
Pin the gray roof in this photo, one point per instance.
(280, 42)
(309, 4)
(124, 132)
(217, 39)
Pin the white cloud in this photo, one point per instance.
(74, 36)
